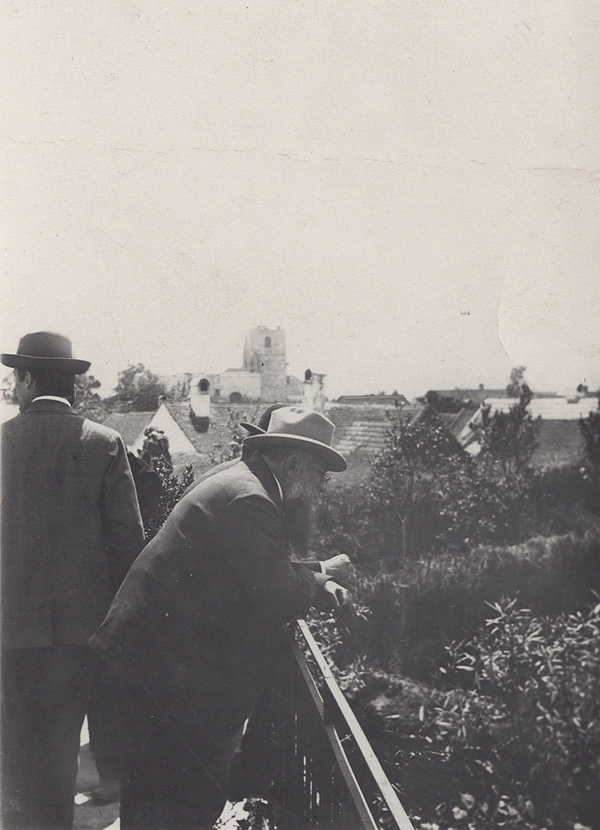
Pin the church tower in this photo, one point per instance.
(264, 352)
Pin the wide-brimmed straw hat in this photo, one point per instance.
(295, 426)
(45, 350)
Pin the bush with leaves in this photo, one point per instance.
(87, 399)
(542, 676)
(510, 739)
(419, 608)
(405, 475)
(590, 430)
(173, 489)
(231, 436)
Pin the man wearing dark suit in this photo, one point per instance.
(337, 567)
(196, 627)
(71, 528)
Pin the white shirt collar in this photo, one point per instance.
(52, 398)
(278, 486)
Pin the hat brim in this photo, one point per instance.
(252, 428)
(335, 462)
(57, 364)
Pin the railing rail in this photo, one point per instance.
(332, 708)
(318, 768)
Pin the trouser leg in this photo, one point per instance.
(45, 692)
(172, 779)
(104, 724)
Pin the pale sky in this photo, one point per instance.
(409, 187)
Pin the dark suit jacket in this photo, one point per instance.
(198, 617)
(70, 525)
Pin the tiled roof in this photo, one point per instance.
(217, 432)
(359, 428)
(559, 443)
(129, 425)
(367, 436)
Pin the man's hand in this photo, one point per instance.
(338, 567)
(339, 600)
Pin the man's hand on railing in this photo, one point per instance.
(337, 567)
(339, 600)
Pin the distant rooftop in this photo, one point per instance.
(371, 400)
(129, 425)
(556, 409)
(477, 395)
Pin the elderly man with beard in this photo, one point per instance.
(195, 629)
(301, 528)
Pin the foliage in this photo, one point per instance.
(87, 400)
(508, 439)
(138, 389)
(590, 430)
(418, 609)
(511, 740)
(231, 436)
(173, 489)
(405, 472)
(489, 499)
(9, 390)
(517, 385)
(443, 403)
(541, 675)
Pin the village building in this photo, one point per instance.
(559, 441)
(196, 415)
(262, 378)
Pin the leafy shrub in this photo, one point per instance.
(418, 609)
(513, 740)
(173, 489)
(542, 676)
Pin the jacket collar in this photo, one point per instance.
(44, 405)
(260, 468)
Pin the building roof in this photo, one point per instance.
(559, 443)
(455, 422)
(477, 395)
(389, 401)
(129, 425)
(217, 432)
(362, 428)
(367, 436)
(559, 439)
(555, 409)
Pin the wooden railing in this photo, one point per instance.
(326, 773)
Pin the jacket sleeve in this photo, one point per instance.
(255, 549)
(123, 529)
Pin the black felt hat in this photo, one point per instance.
(45, 350)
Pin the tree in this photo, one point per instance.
(406, 470)
(517, 384)
(508, 439)
(138, 389)
(87, 400)
(443, 403)
(590, 431)
(9, 390)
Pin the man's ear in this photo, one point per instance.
(291, 465)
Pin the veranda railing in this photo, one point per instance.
(328, 776)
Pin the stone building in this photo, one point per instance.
(262, 378)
